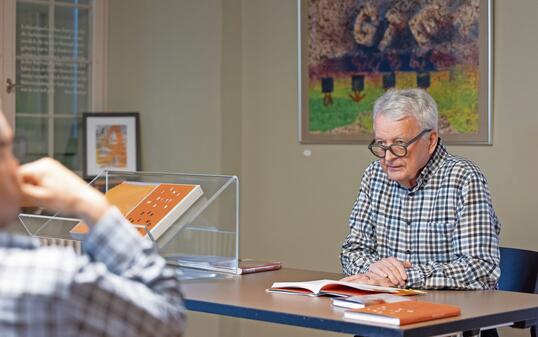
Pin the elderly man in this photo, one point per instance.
(423, 217)
(121, 287)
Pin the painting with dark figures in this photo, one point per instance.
(352, 51)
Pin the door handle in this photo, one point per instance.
(11, 86)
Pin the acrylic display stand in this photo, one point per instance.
(205, 237)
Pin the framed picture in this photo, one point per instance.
(111, 142)
(352, 51)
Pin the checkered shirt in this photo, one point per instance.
(445, 226)
(121, 287)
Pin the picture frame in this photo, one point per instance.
(351, 52)
(111, 141)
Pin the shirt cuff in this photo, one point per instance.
(415, 277)
(115, 242)
(363, 269)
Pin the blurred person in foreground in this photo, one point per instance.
(119, 287)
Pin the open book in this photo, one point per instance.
(336, 288)
(401, 313)
(151, 207)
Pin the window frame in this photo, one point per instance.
(98, 59)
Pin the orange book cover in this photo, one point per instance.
(162, 206)
(125, 196)
(402, 313)
(154, 206)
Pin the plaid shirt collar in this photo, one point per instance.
(435, 162)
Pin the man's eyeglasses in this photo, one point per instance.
(398, 149)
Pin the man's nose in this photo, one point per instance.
(389, 156)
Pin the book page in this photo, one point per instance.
(313, 286)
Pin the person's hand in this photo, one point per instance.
(368, 278)
(47, 183)
(358, 278)
(390, 269)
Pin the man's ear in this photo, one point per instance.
(433, 138)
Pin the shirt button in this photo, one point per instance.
(408, 252)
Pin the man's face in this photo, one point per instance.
(404, 170)
(10, 193)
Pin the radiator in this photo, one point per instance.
(75, 244)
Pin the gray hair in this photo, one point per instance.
(398, 104)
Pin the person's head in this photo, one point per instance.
(399, 117)
(10, 193)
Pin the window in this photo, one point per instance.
(58, 74)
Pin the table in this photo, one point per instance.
(245, 297)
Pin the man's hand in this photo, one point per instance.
(47, 183)
(390, 269)
(368, 278)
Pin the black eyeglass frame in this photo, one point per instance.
(402, 145)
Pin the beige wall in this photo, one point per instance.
(215, 82)
(292, 199)
(165, 61)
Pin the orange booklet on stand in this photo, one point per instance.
(154, 206)
(336, 288)
(402, 313)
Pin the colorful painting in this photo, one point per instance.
(111, 142)
(352, 51)
(111, 150)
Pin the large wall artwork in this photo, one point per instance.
(352, 51)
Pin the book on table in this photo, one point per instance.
(336, 288)
(151, 207)
(402, 313)
(357, 302)
(248, 266)
(225, 264)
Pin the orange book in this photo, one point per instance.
(151, 207)
(402, 313)
(163, 206)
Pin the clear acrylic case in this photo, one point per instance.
(205, 237)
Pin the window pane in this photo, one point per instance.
(70, 87)
(67, 142)
(34, 131)
(71, 32)
(32, 95)
(71, 41)
(32, 29)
